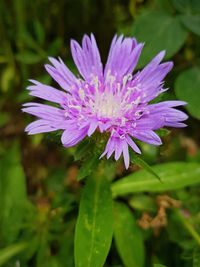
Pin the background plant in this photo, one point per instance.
(41, 186)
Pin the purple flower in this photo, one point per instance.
(109, 99)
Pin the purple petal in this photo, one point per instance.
(92, 127)
(166, 104)
(87, 58)
(60, 73)
(123, 56)
(46, 92)
(133, 145)
(147, 136)
(118, 149)
(44, 111)
(145, 73)
(126, 155)
(72, 135)
(41, 126)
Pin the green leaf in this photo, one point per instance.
(7, 77)
(4, 118)
(128, 237)
(82, 149)
(88, 167)
(187, 88)
(162, 132)
(159, 265)
(192, 22)
(28, 57)
(13, 197)
(196, 257)
(143, 202)
(174, 175)
(39, 30)
(67, 246)
(187, 6)
(94, 227)
(7, 253)
(159, 31)
(139, 161)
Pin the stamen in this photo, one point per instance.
(126, 78)
(81, 93)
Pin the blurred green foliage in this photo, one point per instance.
(156, 223)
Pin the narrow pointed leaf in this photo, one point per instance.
(10, 251)
(140, 162)
(174, 175)
(128, 237)
(94, 227)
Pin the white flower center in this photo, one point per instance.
(107, 105)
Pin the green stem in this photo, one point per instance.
(189, 227)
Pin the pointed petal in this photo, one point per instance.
(123, 56)
(133, 145)
(87, 57)
(41, 126)
(72, 135)
(126, 155)
(147, 136)
(47, 92)
(60, 73)
(92, 127)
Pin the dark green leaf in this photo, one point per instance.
(192, 22)
(82, 149)
(94, 227)
(39, 32)
(196, 257)
(159, 31)
(187, 6)
(187, 88)
(174, 175)
(159, 265)
(128, 237)
(4, 118)
(88, 167)
(12, 194)
(28, 57)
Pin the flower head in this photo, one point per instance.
(110, 99)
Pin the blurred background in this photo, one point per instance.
(39, 192)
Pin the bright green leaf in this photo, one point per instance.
(143, 202)
(174, 175)
(128, 237)
(159, 31)
(187, 87)
(10, 251)
(94, 227)
(139, 161)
